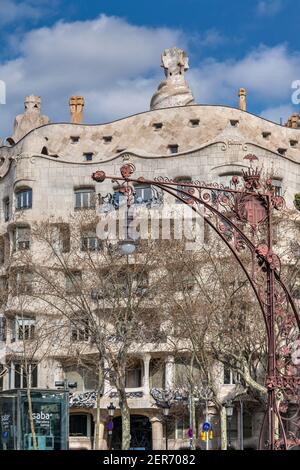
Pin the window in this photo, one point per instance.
(142, 194)
(2, 373)
(19, 375)
(234, 122)
(74, 139)
(173, 148)
(142, 282)
(133, 377)
(277, 185)
(21, 238)
(23, 282)
(194, 122)
(90, 241)
(61, 238)
(80, 425)
(85, 377)
(187, 283)
(2, 328)
(88, 156)
(293, 143)
(157, 126)
(73, 282)
(282, 151)
(107, 139)
(80, 329)
(266, 135)
(25, 327)
(157, 373)
(182, 187)
(6, 209)
(119, 199)
(85, 198)
(230, 377)
(24, 199)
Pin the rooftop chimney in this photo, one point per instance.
(242, 99)
(76, 109)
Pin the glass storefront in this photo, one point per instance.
(50, 417)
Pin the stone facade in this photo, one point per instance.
(207, 143)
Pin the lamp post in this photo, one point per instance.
(166, 415)
(229, 413)
(111, 411)
(252, 201)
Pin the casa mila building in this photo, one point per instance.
(46, 172)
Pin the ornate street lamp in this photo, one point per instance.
(250, 203)
(166, 409)
(229, 413)
(111, 411)
(127, 247)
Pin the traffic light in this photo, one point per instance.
(210, 435)
(203, 436)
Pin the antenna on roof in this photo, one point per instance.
(281, 120)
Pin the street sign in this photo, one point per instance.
(5, 435)
(206, 426)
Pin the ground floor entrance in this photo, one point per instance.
(140, 429)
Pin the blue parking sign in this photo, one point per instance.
(206, 426)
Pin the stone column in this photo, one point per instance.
(101, 439)
(146, 384)
(157, 433)
(170, 372)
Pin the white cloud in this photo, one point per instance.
(12, 11)
(266, 73)
(109, 61)
(212, 38)
(269, 7)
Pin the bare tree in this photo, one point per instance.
(111, 299)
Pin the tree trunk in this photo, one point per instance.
(223, 428)
(98, 414)
(31, 422)
(125, 413)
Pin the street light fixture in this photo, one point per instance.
(111, 411)
(166, 410)
(127, 247)
(229, 413)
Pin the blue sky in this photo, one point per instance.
(109, 51)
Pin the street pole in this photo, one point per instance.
(206, 433)
(191, 421)
(166, 428)
(110, 435)
(241, 425)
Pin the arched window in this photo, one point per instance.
(24, 198)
